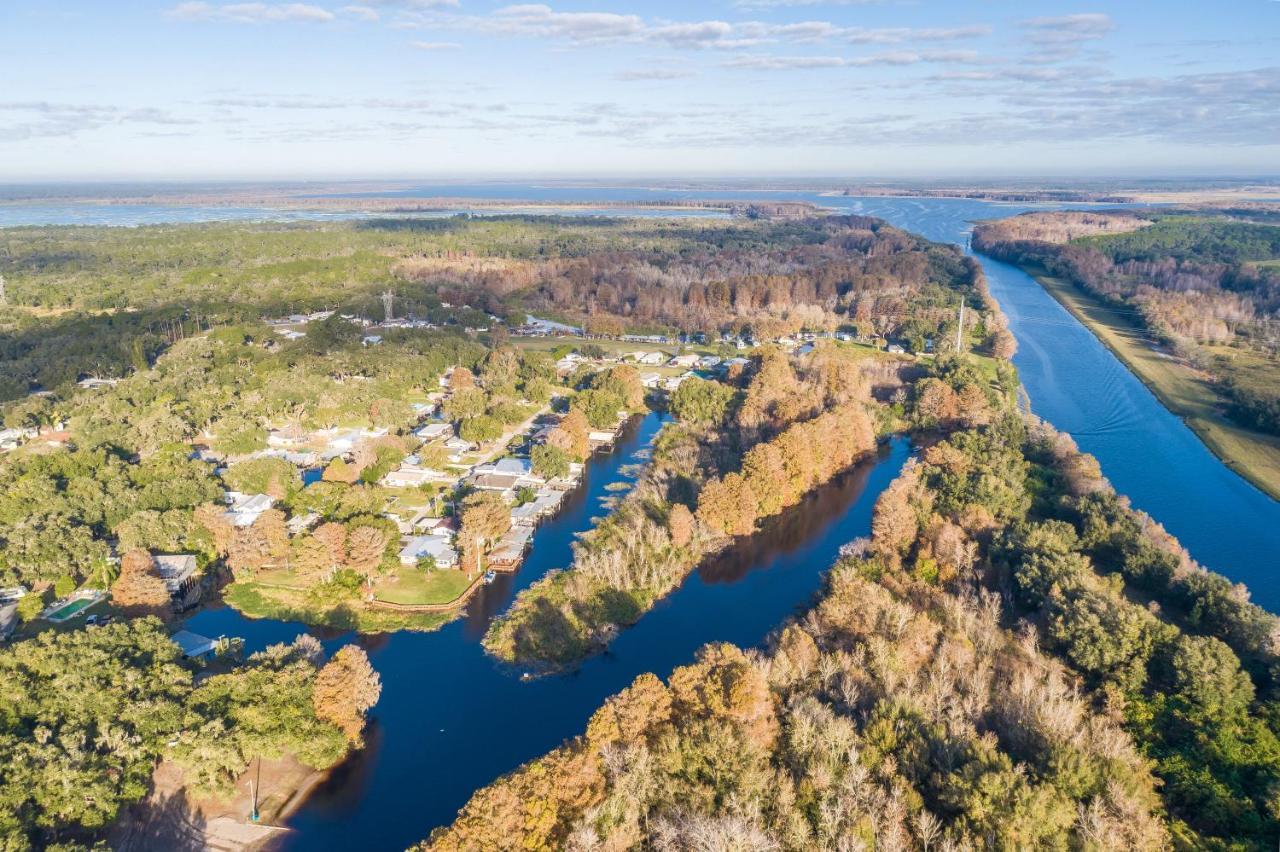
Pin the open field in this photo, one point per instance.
(257, 600)
(1182, 390)
(414, 586)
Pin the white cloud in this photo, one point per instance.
(791, 63)
(250, 13)
(364, 13)
(637, 75)
(1068, 29)
(435, 45)
(541, 20)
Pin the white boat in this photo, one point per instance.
(489, 577)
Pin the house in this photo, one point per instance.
(289, 334)
(650, 380)
(8, 619)
(95, 383)
(179, 574)
(371, 339)
(708, 362)
(735, 362)
(432, 431)
(411, 476)
(299, 524)
(194, 646)
(503, 483)
(424, 524)
(652, 359)
(435, 546)
(805, 350)
(509, 466)
(458, 445)
(11, 439)
(600, 438)
(244, 509)
(526, 515)
(285, 438)
(686, 361)
(673, 382)
(569, 363)
(896, 349)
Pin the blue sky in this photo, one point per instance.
(420, 88)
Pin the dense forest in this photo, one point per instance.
(86, 715)
(1014, 659)
(1204, 282)
(105, 301)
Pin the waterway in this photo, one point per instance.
(451, 720)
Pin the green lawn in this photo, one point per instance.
(282, 604)
(1183, 390)
(415, 586)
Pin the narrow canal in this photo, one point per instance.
(450, 720)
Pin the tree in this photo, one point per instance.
(680, 525)
(345, 689)
(334, 537)
(139, 590)
(549, 462)
(212, 518)
(484, 517)
(339, 470)
(465, 404)
(366, 546)
(701, 402)
(480, 429)
(572, 435)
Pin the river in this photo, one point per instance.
(451, 720)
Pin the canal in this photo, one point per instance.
(450, 719)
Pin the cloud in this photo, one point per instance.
(646, 74)
(435, 45)
(364, 13)
(1068, 29)
(21, 120)
(540, 20)
(792, 63)
(250, 13)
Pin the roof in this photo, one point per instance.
(435, 546)
(495, 481)
(193, 644)
(175, 568)
(508, 466)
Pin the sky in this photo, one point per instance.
(205, 89)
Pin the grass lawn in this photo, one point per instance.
(415, 586)
(1183, 390)
(258, 601)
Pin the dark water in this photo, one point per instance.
(1080, 387)
(450, 720)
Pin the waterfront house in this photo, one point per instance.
(194, 646)
(178, 570)
(435, 546)
(432, 431)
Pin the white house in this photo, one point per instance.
(411, 476)
(510, 466)
(707, 362)
(435, 546)
(244, 509)
(686, 361)
(434, 430)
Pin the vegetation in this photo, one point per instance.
(1199, 283)
(87, 713)
(977, 674)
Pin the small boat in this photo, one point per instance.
(489, 577)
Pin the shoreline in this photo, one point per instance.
(1253, 456)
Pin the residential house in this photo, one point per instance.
(432, 431)
(686, 361)
(435, 546)
(178, 571)
(650, 380)
(708, 362)
(244, 509)
(411, 476)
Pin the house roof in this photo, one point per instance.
(193, 644)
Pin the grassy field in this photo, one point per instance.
(1182, 389)
(414, 586)
(258, 600)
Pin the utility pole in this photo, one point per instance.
(960, 328)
